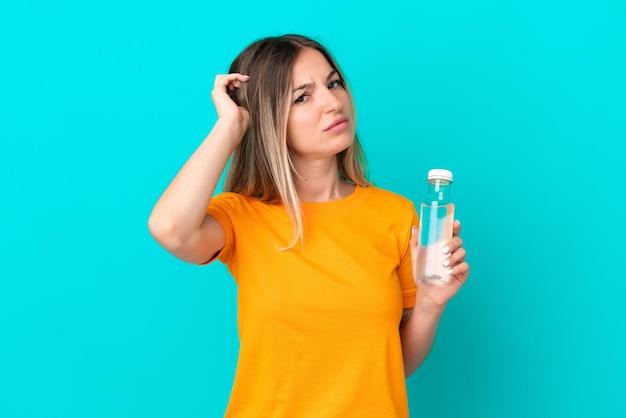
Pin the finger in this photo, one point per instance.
(455, 258)
(222, 80)
(224, 87)
(452, 245)
(461, 271)
(456, 228)
(232, 86)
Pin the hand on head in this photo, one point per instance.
(224, 89)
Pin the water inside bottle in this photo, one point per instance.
(436, 231)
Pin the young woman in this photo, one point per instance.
(330, 319)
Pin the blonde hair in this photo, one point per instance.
(261, 166)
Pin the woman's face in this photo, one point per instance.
(320, 122)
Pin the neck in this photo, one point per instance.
(319, 181)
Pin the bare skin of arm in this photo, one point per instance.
(419, 324)
(178, 220)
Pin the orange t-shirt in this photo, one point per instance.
(318, 323)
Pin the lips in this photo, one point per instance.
(337, 125)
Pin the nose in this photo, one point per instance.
(332, 103)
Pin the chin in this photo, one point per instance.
(344, 144)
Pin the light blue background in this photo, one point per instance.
(102, 102)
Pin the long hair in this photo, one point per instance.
(261, 166)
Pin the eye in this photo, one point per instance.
(335, 83)
(302, 98)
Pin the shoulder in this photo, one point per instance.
(224, 201)
(235, 199)
(235, 204)
(227, 198)
(388, 197)
(228, 202)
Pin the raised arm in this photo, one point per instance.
(178, 220)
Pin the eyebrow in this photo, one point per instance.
(304, 86)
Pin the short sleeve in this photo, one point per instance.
(221, 208)
(405, 268)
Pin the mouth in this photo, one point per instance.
(337, 125)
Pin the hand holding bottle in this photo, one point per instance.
(454, 262)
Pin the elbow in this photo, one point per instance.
(409, 370)
(164, 231)
(413, 360)
(410, 367)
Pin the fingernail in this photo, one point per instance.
(446, 263)
(449, 271)
(457, 221)
(445, 250)
(413, 230)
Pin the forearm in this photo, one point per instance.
(418, 333)
(180, 211)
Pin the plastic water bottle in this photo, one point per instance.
(435, 229)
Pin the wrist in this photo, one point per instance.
(231, 129)
(425, 304)
(231, 124)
